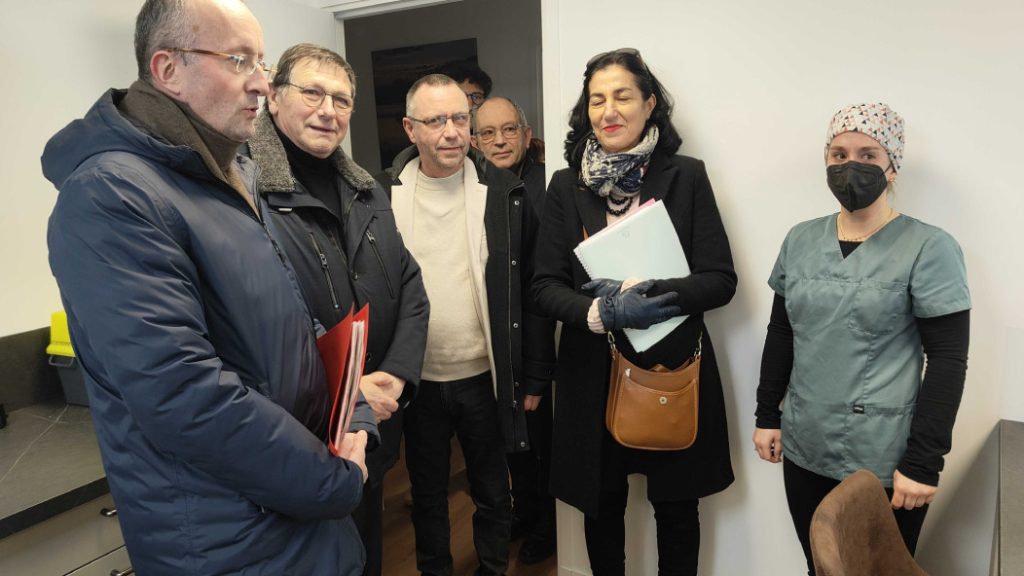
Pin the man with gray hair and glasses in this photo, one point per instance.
(335, 224)
(207, 390)
(502, 134)
(471, 228)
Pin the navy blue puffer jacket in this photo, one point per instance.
(206, 387)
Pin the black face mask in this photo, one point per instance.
(856, 185)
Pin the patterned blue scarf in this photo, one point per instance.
(619, 172)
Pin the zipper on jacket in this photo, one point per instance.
(376, 252)
(256, 200)
(516, 442)
(326, 270)
(258, 216)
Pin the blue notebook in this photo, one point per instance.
(643, 245)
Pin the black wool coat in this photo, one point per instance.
(345, 261)
(583, 451)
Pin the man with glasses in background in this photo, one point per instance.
(337, 228)
(206, 387)
(501, 133)
(471, 228)
(473, 81)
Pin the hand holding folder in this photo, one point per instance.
(353, 449)
(343, 351)
(643, 245)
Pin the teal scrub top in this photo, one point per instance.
(857, 357)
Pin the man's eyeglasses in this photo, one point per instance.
(459, 119)
(242, 63)
(314, 97)
(476, 98)
(508, 131)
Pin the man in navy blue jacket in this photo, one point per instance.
(206, 387)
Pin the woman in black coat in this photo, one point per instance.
(621, 152)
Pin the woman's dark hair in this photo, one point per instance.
(580, 129)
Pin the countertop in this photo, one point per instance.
(49, 463)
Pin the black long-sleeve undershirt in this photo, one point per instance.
(776, 367)
(944, 340)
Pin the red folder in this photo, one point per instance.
(343, 351)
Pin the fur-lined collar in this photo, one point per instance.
(266, 149)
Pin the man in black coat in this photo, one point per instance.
(472, 229)
(338, 231)
(502, 134)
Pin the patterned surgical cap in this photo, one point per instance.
(877, 121)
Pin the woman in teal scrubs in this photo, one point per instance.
(862, 298)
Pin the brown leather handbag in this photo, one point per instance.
(653, 409)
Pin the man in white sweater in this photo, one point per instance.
(468, 225)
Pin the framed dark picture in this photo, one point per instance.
(394, 71)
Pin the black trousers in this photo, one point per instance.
(467, 409)
(530, 471)
(369, 516)
(678, 535)
(369, 520)
(805, 490)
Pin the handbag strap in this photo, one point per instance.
(696, 352)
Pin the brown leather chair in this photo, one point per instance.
(853, 532)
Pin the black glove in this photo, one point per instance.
(602, 287)
(633, 309)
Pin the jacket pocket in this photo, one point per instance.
(815, 434)
(876, 307)
(326, 269)
(380, 260)
(878, 438)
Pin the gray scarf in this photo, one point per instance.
(620, 173)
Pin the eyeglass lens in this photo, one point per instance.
(459, 119)
(508, 132)
(315, 97)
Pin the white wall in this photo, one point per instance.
(755, 84)
(285, 24)
(60, 55)
(508, 49)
